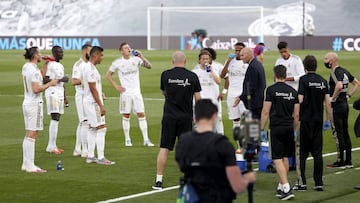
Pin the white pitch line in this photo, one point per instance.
(177, 186)
(139, 194)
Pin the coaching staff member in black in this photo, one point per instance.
(339, 82)
(254, 84)
(281, 104)
(179, 87)
(313, 92)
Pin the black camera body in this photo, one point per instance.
(248, 134)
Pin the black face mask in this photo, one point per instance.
(327, 65)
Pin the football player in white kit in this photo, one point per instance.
(209, 81)
(94, 108)
(127, 67)
(55, 97)
(293, 64)
(32, 107)
(235, 70)
(77, 78)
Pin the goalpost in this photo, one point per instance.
(165, 23)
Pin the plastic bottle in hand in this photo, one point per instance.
(207, 68)
(134, 52)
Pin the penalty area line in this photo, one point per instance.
(139, 194)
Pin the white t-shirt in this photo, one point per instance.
(209, 88)
(55, 70)
(294, 68)
(91, 74)
(236, 75)
(128, 73)
(77, 73)
(30, 74)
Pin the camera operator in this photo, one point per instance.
(281, 102)
(208, 159)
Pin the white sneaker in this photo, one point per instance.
(90, 160)
(76, 153)
(148, 144)
(128, 143)
(105, 161)
(34, 169)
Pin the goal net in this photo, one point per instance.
(166, 24)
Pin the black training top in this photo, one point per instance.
(343, 76)
(314, 88)
(179, 86)
(282, 98)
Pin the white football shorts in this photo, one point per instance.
(92, 110)
(131, 102)
(54, 102)
(235, 112)
(33, 116)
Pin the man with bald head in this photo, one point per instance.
(340, 93)
(179, 86)
(254, 84)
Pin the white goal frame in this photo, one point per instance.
(217, 9)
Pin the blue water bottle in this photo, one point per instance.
(134, 52)
(207, 68)
(59, 166)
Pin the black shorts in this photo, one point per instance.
(172, 128)
(282, 142)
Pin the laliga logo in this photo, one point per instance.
(351, 44)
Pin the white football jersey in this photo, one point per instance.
(209, 88)
(236, 76)
(77, 73)
(294, 68)
(128, 73)
(91, 74)
(30, 74)
(55, 70)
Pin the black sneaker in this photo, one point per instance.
(287, 195)
(319, 188)
(298, 187)
(278, 193)
(348, 164)
(336, 164)
(157, 185)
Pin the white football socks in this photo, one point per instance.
(78, 138)
(126, 127)
(144, 128)
(28, 152)
(100, 142)
(91, 142)
(83, 135)
(53, 131)
(159, 178)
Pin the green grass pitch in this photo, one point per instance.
(135, 168)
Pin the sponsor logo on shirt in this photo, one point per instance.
(285, 95)
(179, 82)
(317, 85)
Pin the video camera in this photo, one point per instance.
(248, 135)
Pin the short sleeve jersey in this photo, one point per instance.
(294, 68)
(92, 75)
(128, 73)
(31, 74)
(314, 88)
(236, 75)
(179, 86)
(209, 88)
(283, 98)
(77, 73)
(55, 70)
(345, 78)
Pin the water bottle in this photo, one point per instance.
(232, 56)
(207, 68)
(134, 52)
(59, 166)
